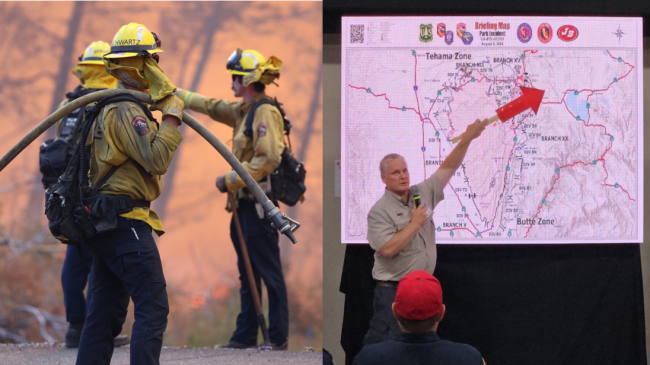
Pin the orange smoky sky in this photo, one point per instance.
(41, 43)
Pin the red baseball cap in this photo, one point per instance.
(419, 296)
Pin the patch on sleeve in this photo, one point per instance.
(140, 126)
(261, 130)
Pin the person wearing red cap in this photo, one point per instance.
(418, 309)
(401, 231)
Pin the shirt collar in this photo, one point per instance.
(395, 198)
(416, 337)
(247, 106)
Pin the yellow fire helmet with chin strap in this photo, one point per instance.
(90, 69)
(132, 40)
(253, 66)
(134, 61)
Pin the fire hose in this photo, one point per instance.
(279, 220)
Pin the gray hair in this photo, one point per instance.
(388, 158)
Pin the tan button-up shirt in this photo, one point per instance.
(391, 214)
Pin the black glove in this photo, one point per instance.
(221, 184)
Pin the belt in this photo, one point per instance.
(99, 204)
(246, 194)
(387, 284)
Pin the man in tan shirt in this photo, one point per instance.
(403, 235)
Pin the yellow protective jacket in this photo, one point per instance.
(123, 136)
(261, 154)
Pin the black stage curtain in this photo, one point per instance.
(525, 304)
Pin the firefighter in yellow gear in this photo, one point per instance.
(76, 269)
(93, 76)
(260, 154)
(129, 154)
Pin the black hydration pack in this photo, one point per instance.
(287, 182)
(75, 213)
(55, 154)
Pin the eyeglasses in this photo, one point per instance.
(233, 61)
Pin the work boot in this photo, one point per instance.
(238, 345)
(282, 347)
(73, 334)
(121, 340)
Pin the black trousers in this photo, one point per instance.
(125, 266)
(383, 324)
(359, 287)
(74, 277)
(264, 251)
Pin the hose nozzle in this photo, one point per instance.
(280, 221)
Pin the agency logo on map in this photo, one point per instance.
(467, 38)
(544, 33)
(442, 28)
(449, 37)
(524, 32)
(426, 32)
(567, 33)
(460, 29)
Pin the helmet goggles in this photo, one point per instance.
(234, 62)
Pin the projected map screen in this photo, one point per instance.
(572, 173)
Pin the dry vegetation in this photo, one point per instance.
(32, 310)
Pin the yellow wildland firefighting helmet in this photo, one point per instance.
(94, 53)
(253, 66)
(244, 62)
(132, 40)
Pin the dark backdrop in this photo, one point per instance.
(524, 304)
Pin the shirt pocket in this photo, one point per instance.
(402, 220)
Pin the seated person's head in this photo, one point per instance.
(418, 303)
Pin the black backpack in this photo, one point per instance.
(70, 220)
(288, 180)
(55, 154)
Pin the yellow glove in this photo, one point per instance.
(169, 105)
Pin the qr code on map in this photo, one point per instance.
(356, 33)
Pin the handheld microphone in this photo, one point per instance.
(416, 195)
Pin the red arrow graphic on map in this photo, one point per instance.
(530, 98)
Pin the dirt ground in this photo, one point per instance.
(45, 354)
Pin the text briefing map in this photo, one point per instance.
(570, 174)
